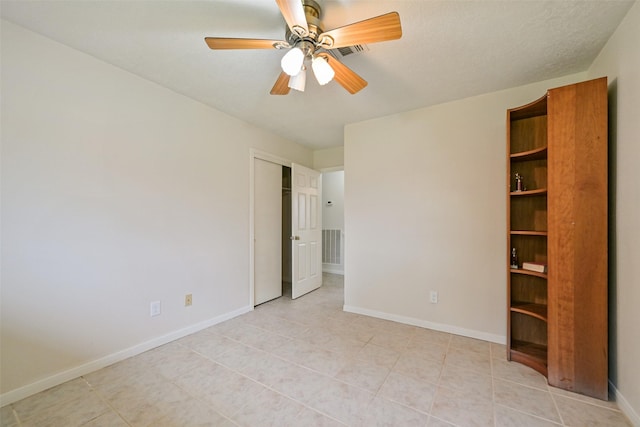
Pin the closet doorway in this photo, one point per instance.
(286, 229)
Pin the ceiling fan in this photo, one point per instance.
(309, 43)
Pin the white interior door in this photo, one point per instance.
(306, 221)
(267, 231)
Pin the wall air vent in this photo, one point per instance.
(349, 50)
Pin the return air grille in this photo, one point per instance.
(332, 247)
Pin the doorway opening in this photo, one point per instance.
(333, 236)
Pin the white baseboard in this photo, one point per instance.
(86, 368)
(624, 406)
(471, 333)
(333, 270)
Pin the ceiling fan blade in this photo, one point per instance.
(293, 13)
(381, 28)
(282, 85)
(233, 43)
(347, 78)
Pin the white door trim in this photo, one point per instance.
(262, 155)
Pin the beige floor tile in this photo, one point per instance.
(256, 337)
(223, 327)
(54, 396)
(310, 417)
(379, 355)
(363, 374)
(171, 360)
(576, 396)
(580, 414)
(228, 392)
(341, 401)
(300, 383)
(208, 345)
(434, 337)
(469, 359)
(344, 346)
(143, 379)
(110, 419)
(239, 357)
(123, 372)
(382, 412)
(525, 399)
(312, 357)
(269, 409)
(498, 351)
(266, 369)
(427, 349)
(75, 412)
(280, 326)
(317, 335)
(462, 379)
(472, 344)
(437, 422)
(463, 408)
(202, 378)
(420, 367)
(519, 373)
(357, 330)
(145, 405)
(392, 340)
(7, 417)
(507, 417)
(409, 391)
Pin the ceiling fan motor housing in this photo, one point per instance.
(308, 42)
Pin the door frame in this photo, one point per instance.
(261, 155)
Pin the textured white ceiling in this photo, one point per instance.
(449, 50)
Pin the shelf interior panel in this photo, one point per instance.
(528, 133)
(528, 213)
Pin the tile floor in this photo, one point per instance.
(308, 363)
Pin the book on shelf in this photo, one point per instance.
(535, 266)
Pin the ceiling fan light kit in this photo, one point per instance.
(307, 40)
(298, 81)
(292, 61)
(322, 70)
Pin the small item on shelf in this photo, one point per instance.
(514, 258)
(538, 267)
(519, 184)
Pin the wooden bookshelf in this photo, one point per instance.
(557, 321)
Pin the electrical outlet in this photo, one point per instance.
(155, 308)
(188, 300)
(434, 297)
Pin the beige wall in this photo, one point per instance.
(620, 61)
(115, 192)
(328, 158)
(425, 209)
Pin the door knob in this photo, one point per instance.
(294, 237)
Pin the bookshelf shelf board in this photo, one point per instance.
(528, 272)
(528, 233)
(536, 192)
(525, 156)
(539, 311)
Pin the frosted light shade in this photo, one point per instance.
(298, 81)
(292, 62)
(322, 70)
